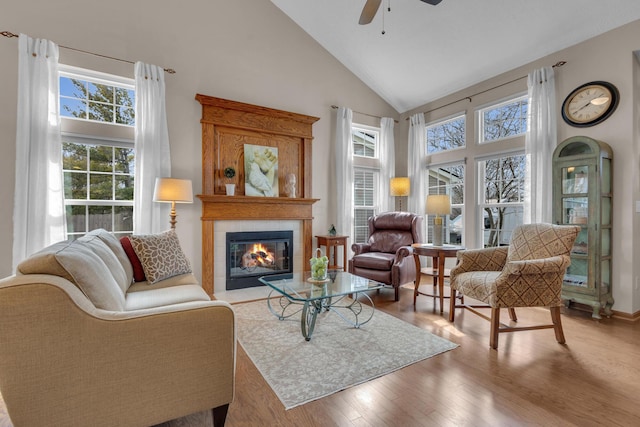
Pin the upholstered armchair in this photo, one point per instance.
(387, 256)
(527, 273)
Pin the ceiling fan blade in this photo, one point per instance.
(369, 11)
(432, 2)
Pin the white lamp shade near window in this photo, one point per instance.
(438, 204)
(173, 190)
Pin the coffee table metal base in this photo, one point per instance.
(311, 309)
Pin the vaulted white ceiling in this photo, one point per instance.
(428, 52)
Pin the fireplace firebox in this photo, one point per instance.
(253, 254)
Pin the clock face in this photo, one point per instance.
(590, 104)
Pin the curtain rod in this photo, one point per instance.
(556, 65)
(11, 35)
(335, 107)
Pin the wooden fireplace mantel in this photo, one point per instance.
(227, 126)
(216, 207)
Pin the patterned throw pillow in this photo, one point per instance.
(161, 255)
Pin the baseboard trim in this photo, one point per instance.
(630, 317)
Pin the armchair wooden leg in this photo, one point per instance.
(512, 314)
(219, 415)
(557, 324)
(397, 289)
(495, 326)
(452, 305)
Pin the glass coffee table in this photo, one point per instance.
(339, 293)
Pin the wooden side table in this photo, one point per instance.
(438, 255)
(333, 242)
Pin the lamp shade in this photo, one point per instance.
(173, 190)
(400, 186)
(438, 204)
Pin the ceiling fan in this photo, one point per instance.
(371, 8)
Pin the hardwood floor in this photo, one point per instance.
(592, 380)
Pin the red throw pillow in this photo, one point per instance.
(138, 271)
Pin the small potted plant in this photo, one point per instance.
(229, 173)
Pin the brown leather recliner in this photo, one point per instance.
(387, 256)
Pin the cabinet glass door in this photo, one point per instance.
(574, 180)
(577, 276)
(575, 210)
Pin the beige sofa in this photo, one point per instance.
(80, 345)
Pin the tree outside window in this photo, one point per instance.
(502, 202)
(446, 135)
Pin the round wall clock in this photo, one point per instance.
(590, 104)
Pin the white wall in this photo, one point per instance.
(243, 50)
(607, 57)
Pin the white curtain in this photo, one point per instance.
(387, 163)
(344, 171)
(153, 158)
(417, 152)
(541, 140)
(38, 211)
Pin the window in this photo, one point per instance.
(366, 178)
(96, 99)
(365, 141)
(364, 201)
(446, 135)
(449, 180)
(504, 120)
(502, 202)
(98, 167)
(98, 186)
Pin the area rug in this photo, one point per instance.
(338, 355)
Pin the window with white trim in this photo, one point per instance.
(448, 180)
(366, 179)
(445, 135)
(504, 120)
(502, 201)
(98, 155)
(365, 141)
(364, 201)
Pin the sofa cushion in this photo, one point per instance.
(179, 280)
(116, 247)
(77, 262)
(165, 296)
(97, 245)
(161, 255)
(138, 271)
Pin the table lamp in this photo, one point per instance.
(438, 204)
(172, 190)
(399, 186)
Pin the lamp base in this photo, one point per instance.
(437, 235)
